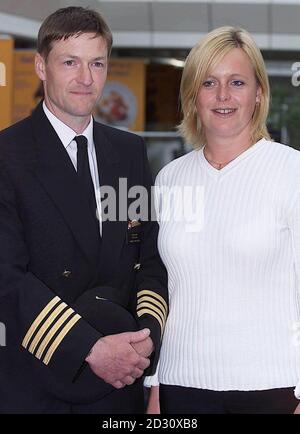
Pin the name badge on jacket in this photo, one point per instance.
(134, 232)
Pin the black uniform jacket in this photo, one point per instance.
(62, 287)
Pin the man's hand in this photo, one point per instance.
(114, 359)
(144, 348)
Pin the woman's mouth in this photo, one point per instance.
(224, 111)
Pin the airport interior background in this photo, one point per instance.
(151, 42)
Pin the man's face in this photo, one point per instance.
(74, 75)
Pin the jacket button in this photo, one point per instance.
(66, 273)
(137, 266)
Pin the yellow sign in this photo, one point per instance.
(123, 100)
(6, 65)
(27, 87)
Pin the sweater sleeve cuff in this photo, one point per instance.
(152, 380)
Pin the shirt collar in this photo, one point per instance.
(65, 133)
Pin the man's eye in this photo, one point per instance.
(98, 64)
(69, 62)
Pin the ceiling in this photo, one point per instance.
(166, 23)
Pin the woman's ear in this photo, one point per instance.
(258, 95)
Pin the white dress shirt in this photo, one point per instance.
(66, 135)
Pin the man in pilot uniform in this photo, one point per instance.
(83, 298)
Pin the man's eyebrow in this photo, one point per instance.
(71, 56)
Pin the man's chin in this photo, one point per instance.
(83, 113)
(82, 110)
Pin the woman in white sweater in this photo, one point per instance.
(229, 215)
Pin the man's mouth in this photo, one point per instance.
(80, 92)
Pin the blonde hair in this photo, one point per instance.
(201, 59)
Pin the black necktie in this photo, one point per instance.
(84, 174)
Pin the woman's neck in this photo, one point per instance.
(220, 152)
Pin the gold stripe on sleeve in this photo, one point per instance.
(155, 302)
(152, 313)
(52, 332)
(154, 308)
(38, 320)
(153, 294)
(60, 337)
(46, 325)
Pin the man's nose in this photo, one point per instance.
(85, 76)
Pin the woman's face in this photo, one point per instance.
(226, 99)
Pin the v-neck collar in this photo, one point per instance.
(237, 161)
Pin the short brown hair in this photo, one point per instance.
(71, 21)
(205, 55)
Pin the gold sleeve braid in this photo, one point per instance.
(49, 329)
(149, 302)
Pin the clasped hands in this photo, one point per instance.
(121, 358)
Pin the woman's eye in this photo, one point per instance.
(238, 83)
(208, 83)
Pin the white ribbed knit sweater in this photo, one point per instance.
(234, 283)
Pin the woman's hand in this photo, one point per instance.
(153, 406)
(297, 411)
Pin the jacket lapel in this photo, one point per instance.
(59, 178)
(110, 171)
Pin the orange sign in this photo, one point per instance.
(6, 65)
(123, 101)
(27, 87)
